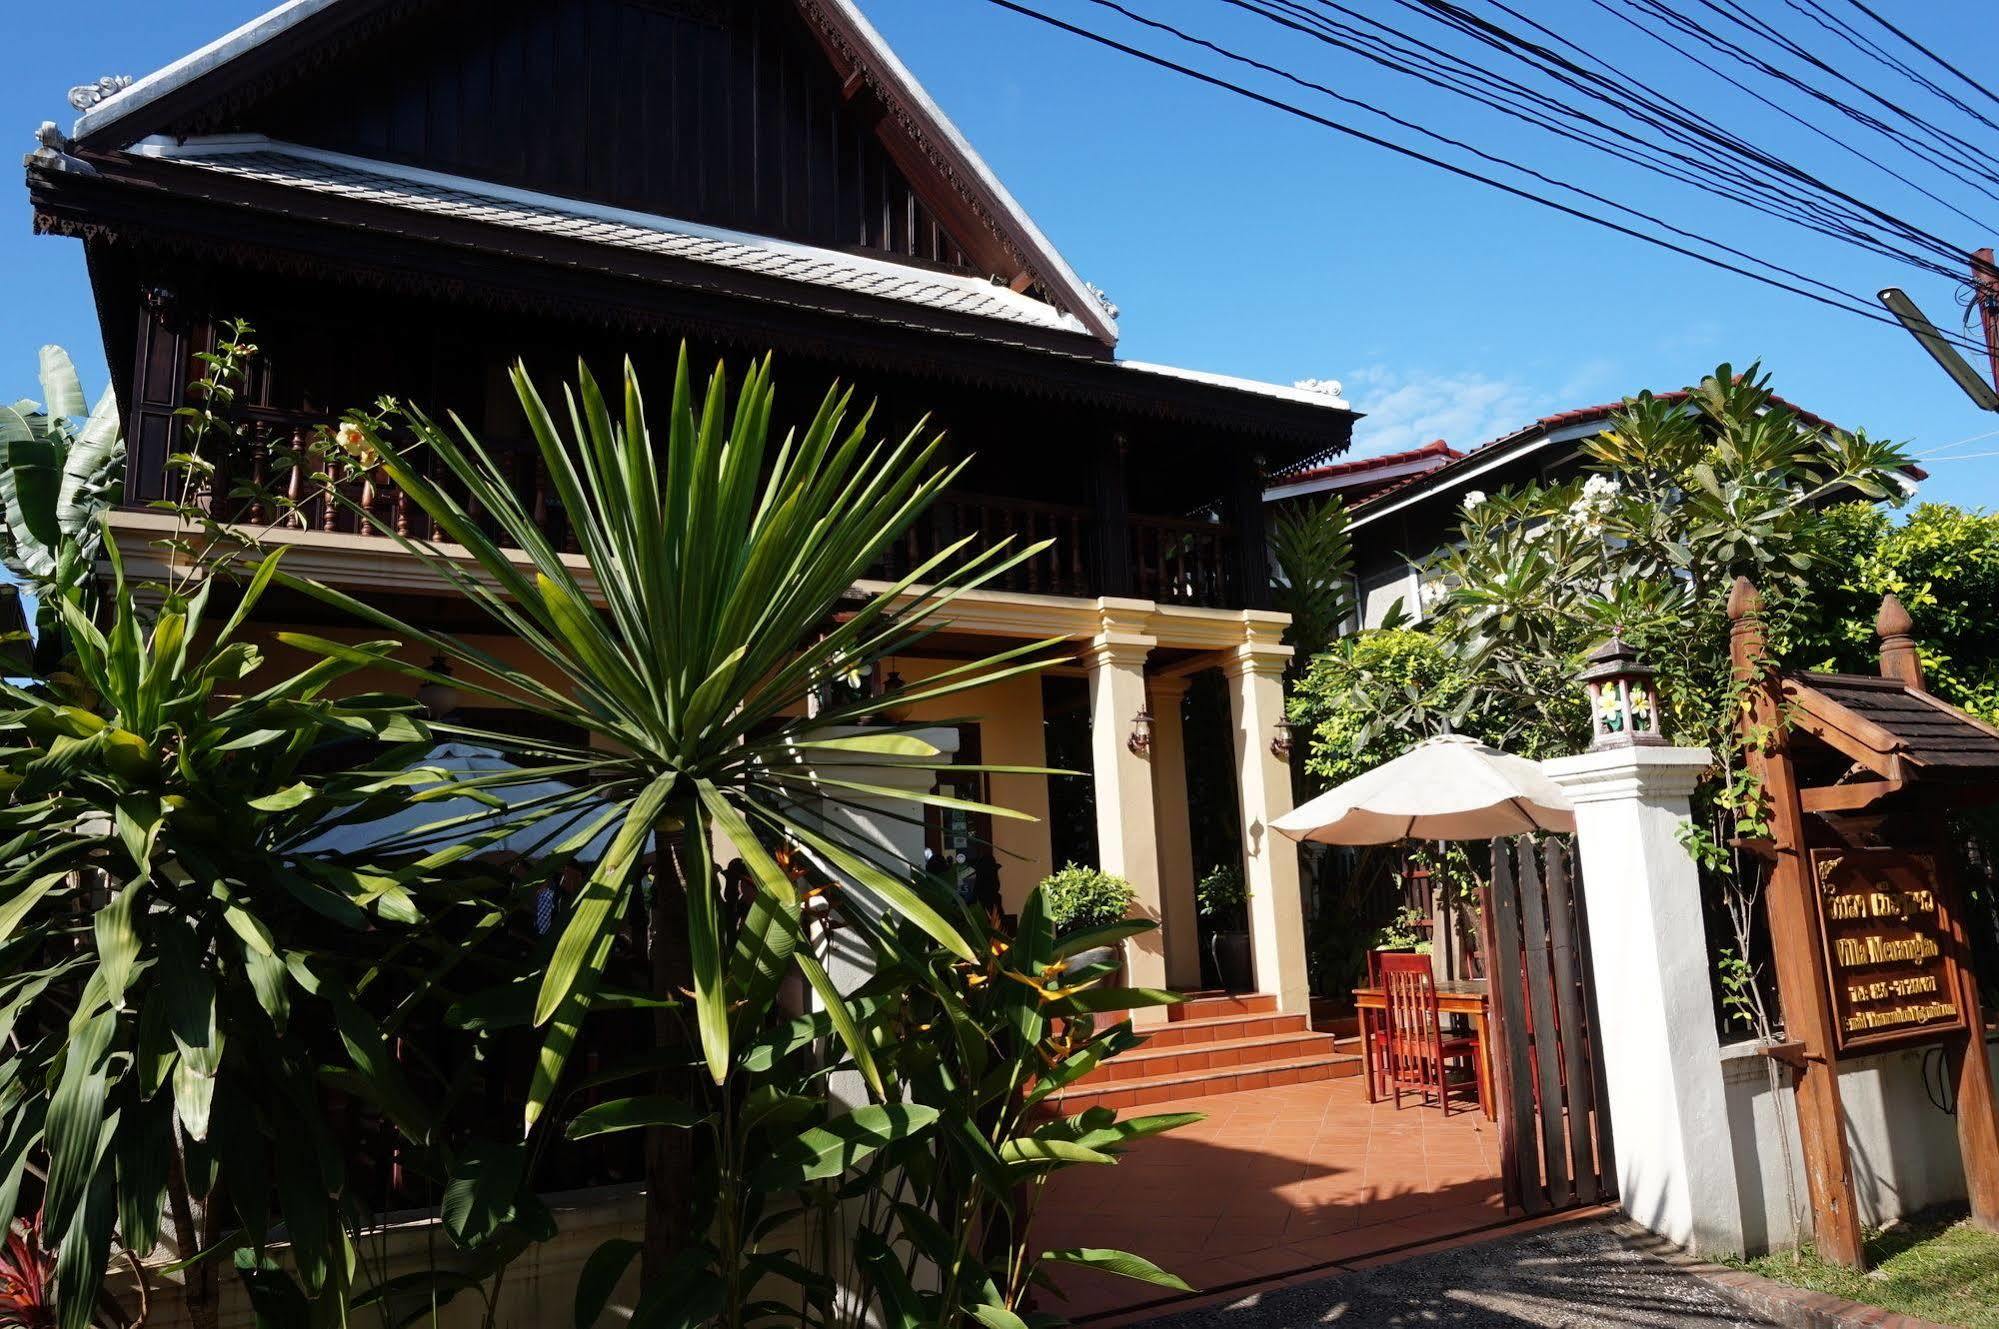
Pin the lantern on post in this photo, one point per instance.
(1623, 698)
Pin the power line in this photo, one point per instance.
(1962, 77)
(1847, 303)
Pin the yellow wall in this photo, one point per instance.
(1008, 714)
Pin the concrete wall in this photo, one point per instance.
(1896, 1171)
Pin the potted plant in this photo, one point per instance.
(1079, 899)
(1222, 901)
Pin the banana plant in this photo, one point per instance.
(56, 476)
(692, 642)
(179, 974)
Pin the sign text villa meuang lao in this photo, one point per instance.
(1889, 961)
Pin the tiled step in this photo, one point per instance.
(1152, 1060)
(1199, 1084)
(1209, 1005)
(1220, 1028)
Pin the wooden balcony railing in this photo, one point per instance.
(1184, 560)
(272, 478)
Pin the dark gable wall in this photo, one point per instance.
(718, 111)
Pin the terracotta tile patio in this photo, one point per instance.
(1273, 1182)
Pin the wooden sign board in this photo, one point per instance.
(1891, 967)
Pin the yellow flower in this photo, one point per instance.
(353, 440)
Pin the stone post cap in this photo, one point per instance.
(1604, 775)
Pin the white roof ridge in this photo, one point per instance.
(1087, 310)
(1303, 396)
(181, 72)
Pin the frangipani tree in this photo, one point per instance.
(692, 644)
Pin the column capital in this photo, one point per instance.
(1118, 650)
(1261, 659)
(1167, 687)
(1607, 775)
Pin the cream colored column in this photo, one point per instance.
(1126, 846)
(1172, 821)
(1263, 781)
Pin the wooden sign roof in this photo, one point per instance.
(1896, 731)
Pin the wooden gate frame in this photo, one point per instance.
(1953, 757)
(1536, 940)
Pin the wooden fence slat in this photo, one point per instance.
(1606, 1146)
(1548, 1030)
(1513, 1021)
(1578, 1038)
(1496, 1029)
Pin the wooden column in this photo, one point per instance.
(1113, 501)
(1245, 514)
(1801, 983)
(1970, 1068)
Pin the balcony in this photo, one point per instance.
(1171, 559)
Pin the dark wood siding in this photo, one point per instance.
(717, 111)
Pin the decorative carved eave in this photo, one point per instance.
(1852, 736)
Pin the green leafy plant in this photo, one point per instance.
(59, 470)
(178, 965)
(1081, 898)
(1222, 899)
(1314, 555)
(685, 645)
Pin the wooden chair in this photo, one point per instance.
(1414, 1051)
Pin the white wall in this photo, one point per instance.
(1911, 1167)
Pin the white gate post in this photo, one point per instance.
(1648, 949)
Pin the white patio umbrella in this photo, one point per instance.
(465, 759)
(1446, 788)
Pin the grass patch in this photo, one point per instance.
(1933, 1265)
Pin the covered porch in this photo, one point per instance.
(1114, 715)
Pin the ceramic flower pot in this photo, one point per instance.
(1232, 960)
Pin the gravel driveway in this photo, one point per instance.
(1573, 1275)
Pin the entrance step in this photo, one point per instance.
(1215, 1043)
(1209, 1005)
(1090, 1093)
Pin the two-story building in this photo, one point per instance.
(405, 196)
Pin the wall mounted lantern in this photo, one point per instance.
(438, 698)
(1141, 733)
(1623, 698)
(1280, 741)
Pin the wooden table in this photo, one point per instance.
(1455, 996)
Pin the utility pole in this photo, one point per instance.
(1985, 295)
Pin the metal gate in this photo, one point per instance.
(1554, 1123)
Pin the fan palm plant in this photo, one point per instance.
(694, 644)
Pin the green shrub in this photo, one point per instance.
(1080, 898)
(1221, 898)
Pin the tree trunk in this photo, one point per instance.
(669, 1153)
(200, 1290)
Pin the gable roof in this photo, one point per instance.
(258, 50)
(1562, 427)
(1894, 731)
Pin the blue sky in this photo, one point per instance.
(1240, 240)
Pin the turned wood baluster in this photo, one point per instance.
(539, 507)
(260, 472)
(295, 483)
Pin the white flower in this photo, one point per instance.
(1473, 497)
(353, 440)
(1599, 488)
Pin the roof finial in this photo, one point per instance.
(86, 95)
(1900, 657)
(1744, 600)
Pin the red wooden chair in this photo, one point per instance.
(1413, 1050)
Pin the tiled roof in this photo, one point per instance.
(1315, 468)
(465, 199)
(1933, 736)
